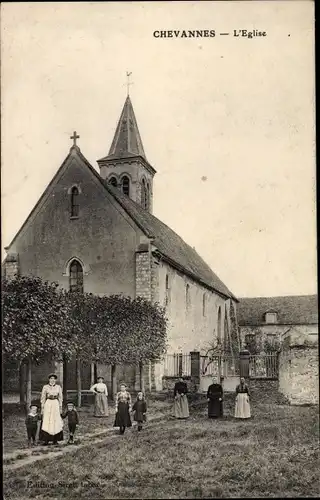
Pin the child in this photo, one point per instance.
(73, 420)
(123, 407)
(140, 409)
(32, 420)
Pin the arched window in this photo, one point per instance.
(113, 181)
(187, 297)
(204, 299)
(148, 195)
(125, 184)
(226, 334)
(76, 277)
(144, 195)
(74, 212)
(167, 296)
(219, 324)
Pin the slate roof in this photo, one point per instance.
(291, 310)
(127, 141)
(170, 244)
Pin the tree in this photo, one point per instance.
(35, 322)
(256, 342)
(40, 322)
(130, 331)
(83, 309)
(234, 332)
(213, 353)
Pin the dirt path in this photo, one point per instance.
(27, 457)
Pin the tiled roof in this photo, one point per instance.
(170, 245)
(291, 310)
(127, 142)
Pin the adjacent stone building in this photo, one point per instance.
(95, 232)
(270, 318)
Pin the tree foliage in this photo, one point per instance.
(35, 320)
(40, 320)
(234, 331)
(256, 343)
(129, 330)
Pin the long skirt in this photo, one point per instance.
(215, 408)
(101, 405)
(181, 407)
(122, 416)
(242, 409)
(52, 424)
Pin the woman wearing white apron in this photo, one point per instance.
(180, 405)
(51, 409)
(101, 398)
(242, 409)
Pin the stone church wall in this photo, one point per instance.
(192, 325)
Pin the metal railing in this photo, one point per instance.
(177, 365)
(264, 366)
(257, 366)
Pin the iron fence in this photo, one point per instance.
(264, 366)
(177, 365)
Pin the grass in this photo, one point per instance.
(273, 455)
(15, 434)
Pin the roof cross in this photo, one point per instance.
(75, 137)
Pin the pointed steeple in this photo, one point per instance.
(127, 141)
(126, 165)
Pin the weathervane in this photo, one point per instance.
(128, 81)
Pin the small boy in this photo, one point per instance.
(32, 420)
(73, 420)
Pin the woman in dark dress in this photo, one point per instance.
(215, 400)
(123, 408)
(180, 405)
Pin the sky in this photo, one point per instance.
(227, 122)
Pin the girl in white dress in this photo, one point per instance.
(101, 398)
(51, 409)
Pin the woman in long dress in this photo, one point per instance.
(101, 398)
(123, 409)
(180, 405)
(215, 400)
(51, 409)
(242, 409)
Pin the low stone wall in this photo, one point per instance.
(266, 391)
(298, 374)
(169, 382)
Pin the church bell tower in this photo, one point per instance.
(126, 166)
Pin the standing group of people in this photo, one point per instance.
(52, 415)
(214, 399)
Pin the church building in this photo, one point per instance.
(96, 232)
